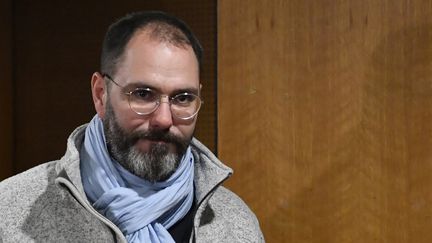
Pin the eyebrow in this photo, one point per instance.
(143, 85)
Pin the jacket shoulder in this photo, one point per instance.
(18, 195)
(36, 208)
(27, 184)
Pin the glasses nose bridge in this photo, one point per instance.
(163, 98)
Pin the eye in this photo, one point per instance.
(184, 99)
(144, 95)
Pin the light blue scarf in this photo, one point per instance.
(142, 210)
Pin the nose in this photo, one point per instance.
(161, 118)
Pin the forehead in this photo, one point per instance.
(158, 64)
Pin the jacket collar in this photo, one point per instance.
(209, 171)
(69, 165)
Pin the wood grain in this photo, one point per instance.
(324, 114)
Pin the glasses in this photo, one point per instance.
(144, 101)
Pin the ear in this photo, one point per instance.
(99, 93)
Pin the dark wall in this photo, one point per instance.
(56, 48)
(6, 124)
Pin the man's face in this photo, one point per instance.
(150, 146)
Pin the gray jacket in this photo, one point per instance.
(47, 204)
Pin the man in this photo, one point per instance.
(134, 173)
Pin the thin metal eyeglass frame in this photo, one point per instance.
(129, 94)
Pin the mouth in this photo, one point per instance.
(145, 145)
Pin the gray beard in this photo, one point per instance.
(156, 165)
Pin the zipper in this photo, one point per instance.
(77, 195)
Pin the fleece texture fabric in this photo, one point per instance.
(47, 204)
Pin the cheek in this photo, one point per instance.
(186, 129)
(127, 119)
(132, 122)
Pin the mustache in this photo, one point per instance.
(156, 135)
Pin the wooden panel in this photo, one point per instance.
(6, 124)
(324, 112)
(57, 49)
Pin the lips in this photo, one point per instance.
(155, 136)
(146, 145)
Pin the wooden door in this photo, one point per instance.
(325, 113)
